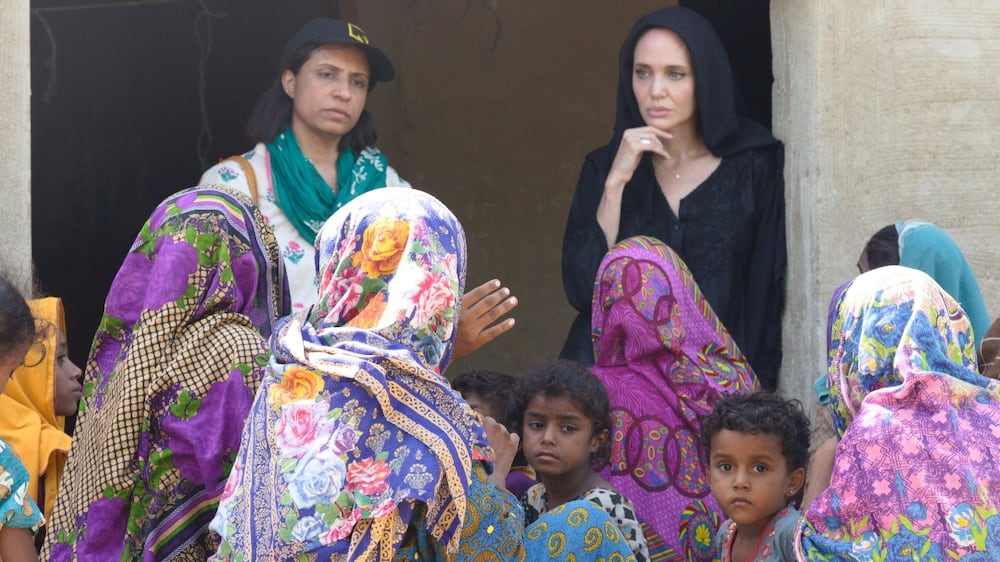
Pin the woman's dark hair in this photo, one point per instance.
(883, 248)
(762, 413)
(17, 325)
(499, 389)
(273, 111)
(584, 390)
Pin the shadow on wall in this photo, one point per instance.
(495, 106)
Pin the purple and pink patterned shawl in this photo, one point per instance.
(171, 376)
(665, 359)
(917, 469)
(355, 437)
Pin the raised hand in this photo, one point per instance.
(481, 307)
(503, 447)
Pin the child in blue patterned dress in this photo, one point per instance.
(20, 518)
(757, 446)
(566, 424)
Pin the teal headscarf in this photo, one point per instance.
(926, 247)
(304, 195)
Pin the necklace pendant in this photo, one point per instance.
(677, 176)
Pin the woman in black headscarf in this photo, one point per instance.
(685, 167)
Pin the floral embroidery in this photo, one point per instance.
(329, 491)
(300, 425)
(17, 509)
(964, 523)
(228, 174)
(356, 284)
(698, 524)
(293, 252)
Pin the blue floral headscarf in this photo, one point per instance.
(355, 435)
(880, 314)
(393, 267)
(915, 475)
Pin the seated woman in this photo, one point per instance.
(922, 245)
(178, 355)
(357, 448)
(665, 359)
(913, 476)
(42, 392)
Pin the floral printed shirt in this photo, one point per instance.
(299, 253)
(17, 509)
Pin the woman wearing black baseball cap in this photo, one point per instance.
(315, 141)
(315, 151)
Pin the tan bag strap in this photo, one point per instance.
(248, 173)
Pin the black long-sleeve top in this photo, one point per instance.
(730, 232)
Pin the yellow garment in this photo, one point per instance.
(28, 421)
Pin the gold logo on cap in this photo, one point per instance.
(357, 33)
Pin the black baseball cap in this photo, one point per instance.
(326, 30)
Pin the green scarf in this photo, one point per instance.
(304, 195)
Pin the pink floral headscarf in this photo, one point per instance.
(916, 472)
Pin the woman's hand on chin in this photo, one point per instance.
(635, 143)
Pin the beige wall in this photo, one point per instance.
(888, 112)
(15, 145)
(495, 105)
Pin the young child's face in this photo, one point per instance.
(558, 436)
(750, 477)
(482, 406)
(69, 388)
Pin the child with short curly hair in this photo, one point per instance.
(757, 446)
(565, 429)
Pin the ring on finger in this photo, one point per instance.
(645, 141)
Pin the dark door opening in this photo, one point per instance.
(129, 104)
(744, 26)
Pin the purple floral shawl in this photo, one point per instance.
(917, 469)
(355, 437)
(665, 359)
(169, 382)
